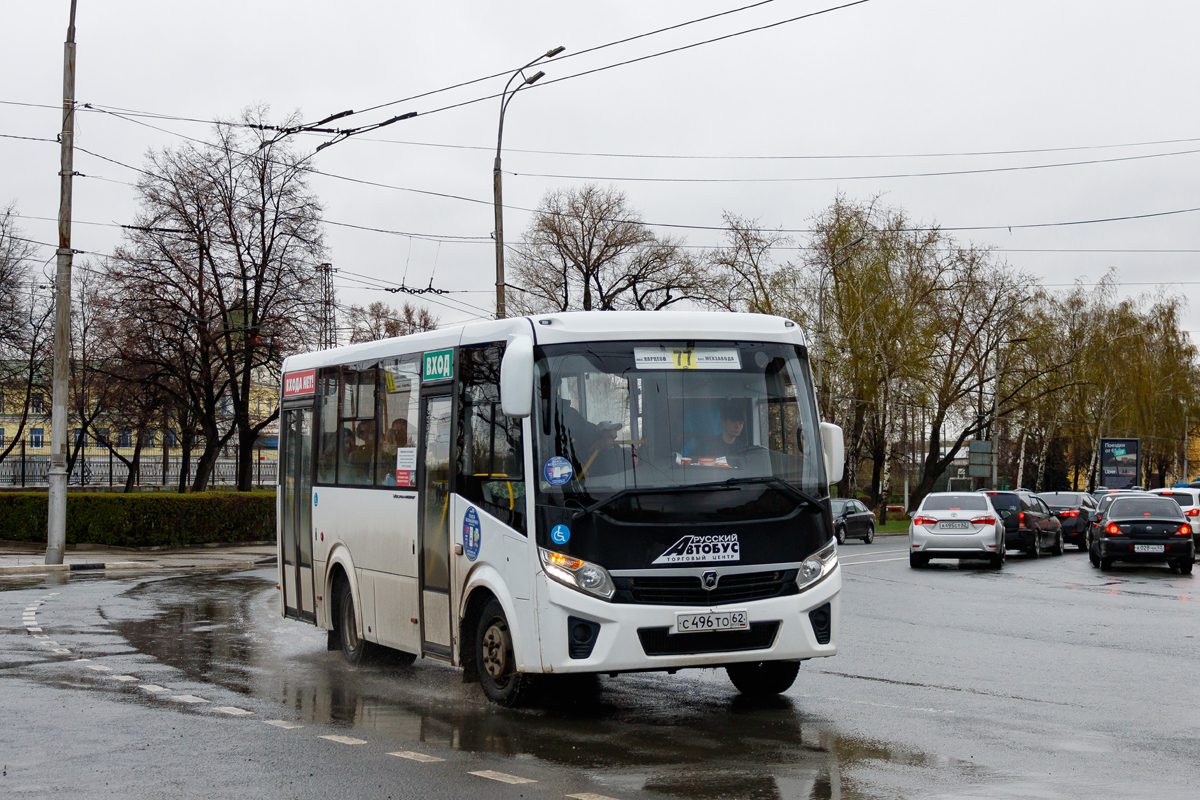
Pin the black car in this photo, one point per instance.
(1074, 511)
(852, 520)
(1028, 523)
(1096, 520)
(1145, 529)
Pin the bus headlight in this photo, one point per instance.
(582, 575)
(817, 566)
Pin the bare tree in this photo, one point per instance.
(217, 279)
(381, 321)
(588, 249)
(26, 312)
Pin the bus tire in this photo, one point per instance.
(496, 661)
(763, 678)
(353, 648)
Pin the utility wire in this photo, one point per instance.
(938, 174)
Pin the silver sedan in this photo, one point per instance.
(956, 525)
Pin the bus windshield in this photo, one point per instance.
(633, 417)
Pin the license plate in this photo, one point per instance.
(711, 621)
(1149, 548)
(954, 526)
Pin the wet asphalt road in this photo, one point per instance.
(1047, 680)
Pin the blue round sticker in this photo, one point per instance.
(560, 534)
(314, 498)
(558, 471)
(472, 535)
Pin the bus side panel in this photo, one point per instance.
(502, 563)
(396, 612)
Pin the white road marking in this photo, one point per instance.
(31, 608)
(61, 650)
(99, 668)
(41, 636)
(411, 756)
(503, 777)
(154, 687)
(81, 659)
(877, 561)
(590, 796)
(282, 723)
(188, 698)
(52, 594)
(345, 739)
(48, 644)
(234, 712)
(123, 678)
(34, 629)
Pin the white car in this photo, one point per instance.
(1189, 502)
(961, 525)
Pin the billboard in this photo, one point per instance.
(1120, 462)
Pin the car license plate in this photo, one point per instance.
(954, 526)
(711, 621)
(1149, 548)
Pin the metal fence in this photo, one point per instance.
(105, 471)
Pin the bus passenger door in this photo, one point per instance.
(295, 506)
(436, 418)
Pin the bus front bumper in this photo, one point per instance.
(637, 637)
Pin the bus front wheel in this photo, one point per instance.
(763, 678)
(498, 676)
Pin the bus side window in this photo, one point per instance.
(489, 463)
(399, 421)
(356, 439)
(327, 420)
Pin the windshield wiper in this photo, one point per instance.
(782, 485)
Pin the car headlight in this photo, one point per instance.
(589, 578)
(817, 566)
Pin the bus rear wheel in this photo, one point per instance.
(763, 678)
(498, 675)
(353, 647)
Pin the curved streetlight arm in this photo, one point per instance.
(505, 98)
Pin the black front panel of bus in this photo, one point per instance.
(675, 531)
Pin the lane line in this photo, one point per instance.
(411, 756)
(123, 678)
(48, 644)
(60, 650)
(153, 687)
(99, 668)
(34, 629)
(590, 796)
(233, 711)
(503, 777)
(282, 723)
(188, 698)
(345, 739)
(878, 561)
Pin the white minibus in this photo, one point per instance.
(586, 492)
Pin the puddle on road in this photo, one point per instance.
(685, 736)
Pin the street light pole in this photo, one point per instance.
(505, 98)
(56, 523)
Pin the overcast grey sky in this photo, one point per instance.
(897, 80)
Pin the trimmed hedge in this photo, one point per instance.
(144, 519)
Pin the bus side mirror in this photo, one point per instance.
(516, 377)
(833, 447)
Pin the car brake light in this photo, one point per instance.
(924, 521)
(984, 521)
(1113, 529)
(1192, 512)
(1184, 530)
(1071, 513)
(1021, 517)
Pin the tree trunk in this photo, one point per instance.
(135, 462)
(1021, 466)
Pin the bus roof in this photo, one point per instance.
(566, 327)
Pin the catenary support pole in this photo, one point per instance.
(56, 532)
